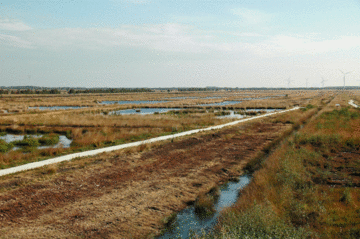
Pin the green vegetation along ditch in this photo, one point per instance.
(28, 142)
(199, 220)
(307, 188)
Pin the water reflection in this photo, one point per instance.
(221, 103)
(142, 111)
(64, 142)
(189, 223)
(182, 97)
(242, 114)
(135, 102)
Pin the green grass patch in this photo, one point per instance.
(319, 140)
(258, 221)
(5, 147)
(308, 107)
(27, 142)
(49, 139)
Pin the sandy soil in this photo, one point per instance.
(126, 194)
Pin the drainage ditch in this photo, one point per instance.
(189, 221)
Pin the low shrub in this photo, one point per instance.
(5, 147)
(319, 140)
(50, 139)
(169, 219)
(342, 113)
(308, 107)
(251, 112)
(14, 131)
(204, 205)
(30, 131)
(27, 142)
(222, 113)
(346, 196)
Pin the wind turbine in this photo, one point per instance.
(289, 81)
(345, 75)
(323, 81)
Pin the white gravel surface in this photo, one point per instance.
(122, 146)
(351, 102)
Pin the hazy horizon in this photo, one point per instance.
(145, 43)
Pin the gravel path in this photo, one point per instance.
(351, 102)
(123, 146)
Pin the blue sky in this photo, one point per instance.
(183, 43)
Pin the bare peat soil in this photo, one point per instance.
(126, 194)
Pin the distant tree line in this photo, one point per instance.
(29, 91)
(3, 91)
(193, 89)
(110, 90)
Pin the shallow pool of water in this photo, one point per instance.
(231, 115)
(267, 110)
(55, 107)
(221, 103)
(239, 116)
(13, 137)
(182, 97)
(142, 111)
(260, 98)
(213, 97)
(64, 142)
(189, 223)
(135, 102)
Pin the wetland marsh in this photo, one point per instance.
(132, 192)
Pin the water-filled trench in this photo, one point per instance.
(189, 223)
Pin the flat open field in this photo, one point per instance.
(130, 193)
(99, 124)
(126, 194)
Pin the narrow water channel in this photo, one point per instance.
(188, 223)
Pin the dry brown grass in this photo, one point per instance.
(89, 129)
(126, 194)
(19, 103)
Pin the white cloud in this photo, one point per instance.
(13, 25)
(14, 41)
(163, 37)
(249, 34)
(305, 45)
(175, 38)
(251, 16)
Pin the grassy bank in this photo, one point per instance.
(307, 188)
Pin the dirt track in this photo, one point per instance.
(126, 195)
